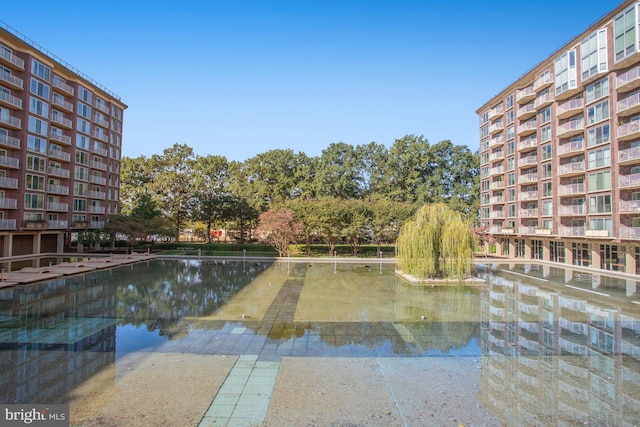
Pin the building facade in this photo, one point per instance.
(60, 148)
(560, 152)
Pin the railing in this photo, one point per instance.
(629, 232)
(526, 230)
(529, 177)
(97, 195)
(58, 207)
(570, 126)
(572, 104)
(9, 141)
(496, 200)
(11, 79)
(546, 98)
(58, 189)
(495, 156)
(629, 180)
(6, 182)
(102, 137)
(494, 112)
(629, 205)
(528, 160)
(629, 154)
(496, 127)
(528, 213)
(7, 224)
(62, 103)
(496, 171)
(96, 224)
(8, 203)
(569, 147)
(97, 209)
(99, 165)
(529, 108)
(59, 154)
(10, 162)
(10, 99)
(100, 151)
(102, 107)
(629, 128)
(101, 122)
(11, 121)
(528, 143)
(497, 214)
(62, 173)
(571, 167)
(63, 86)
(628, 77)
(59, 118)
(496, 141)
(565, 190)
(571, 231)
(527, 126)
(628, 102)
(522, 93)
(528, 195)
(496, 185)
(57, 224)
(571, 210)
(542, 81)
(98, 180)
(11, 58)
(57, 136)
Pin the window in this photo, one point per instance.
(38, 107)
(509, 116)
(597, 90)
(509, 102)
(547, 189)
(40, 70)
(545, 152)
(546, 134)
(84, 110)
(82, 157)
(34, 182)
(601, 224)
(34, 201)
(599, 158)
(593, 54)
(625, 33)
(598, 135)
(79, 205)
(40, 89)
(85, 95)
(547, 170)
(82, 141)
(600, 204)
(545, 115)
(35, 163)
(82, 173)
(511, 195)
(511, 211)
(598, 112)
(38, 126)
(80, 189)
(84, 126)
(547, 208)
(511, 147)
(565, 72)
(511, 178)
(511, 163)
(36, 144)
(600, 181)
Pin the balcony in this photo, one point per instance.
(569, 149)
(495, 230)
(6, 182)
(571, 190)
(629, 105)
(12, 80)
(525, 95)
(498, 155)
(629, 156)
(544, 100)
(571, 231)
(570, 108)
(99, 151)
(8, 203)
(528, 144)
(10, 121)
(575, 168)
(101, 195)
(629, 206)
(628, 80)
(528, 213)
(570, 128)
(527, 178)
(60, 120)
(496, 171)
(96, 225)
(526, 112)
(494, 113)
(57, 224)
(10, 101)
(629, 130)
(59, 155)
(58, 189)
(596, 233)
(97, 209)
(61, 103)
(629, 181)
(62, 86)
(629, 232)
(59, 172)
(95, 179)
(496, 200)
(101, 136)
(9, 141)
(7, 224)
(496, 142)
(105, 109)
(60, 137)
(99, 165)
(572, 210)
(527, 161)
(10, 59)
(57, 207)
(543, 231)
(495, 128)
(528, 195)
(527, 230)
(527, 128)
(9, 162)
(101, 122)
(496, 185)
(543, 82)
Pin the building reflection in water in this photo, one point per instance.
(560, 346)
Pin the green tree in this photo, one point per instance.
(338, 172)
(279, 228)
(387, 217)
(210, 204)
(355, 215)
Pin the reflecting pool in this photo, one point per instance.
(552, 345)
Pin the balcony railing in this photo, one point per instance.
(528, 160)
(528, 213)
(96, 224)
(629, 129)
(59, 119)
(63, 87)
(496, 171)
(62, 103)
(496, 185)
(62, 173)
(11, 100)
(575, 104)
(57, 224)
(59, 154)
(57, 136)
(628, 77)
(528, 195)
(629, 154)
(629, 180)
(494, 156)
(629, 232)
(528, 177)
(9, 120)
(9, 162)
(571, 231)
(99, 165)
(496, 200)
(527, 230)
(7, 224)
(494, 142)
(98, 195)
(496, 214)
(6, 182)
(9, 141)
(528, 143)
(100, 151)
(629, 205)
(543, 100)
(12, 59)
(570, 147)
(493, 113)
(98, 179)
(11, 79)
(573, 210)
(101, 122)
(57, 207)
(571, 126)
(8, 203)
(101, 136)
(567, 190)
(529, 126)
(543, 81)
(527, 110)
(101, 106)
(571, 168)
(628, 103)
(527, 92)
(58, 189)
(97, 209)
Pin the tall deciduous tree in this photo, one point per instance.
(338, 172)
(279, 228)
(211, 188)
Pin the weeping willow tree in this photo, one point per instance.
(437, 243)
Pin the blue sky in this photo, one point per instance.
(238, 78)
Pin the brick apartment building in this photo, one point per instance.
(60, 148)
(560, 152)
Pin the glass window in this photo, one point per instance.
(38, 126)
(34, 182)
(79, 205)
(565, 72)
(547, 189)
(546, 134)
(600, 204)
(34, 201)
(36, 144)
(85, 95)
(40, 70)
(600, 181)
(36, 106)
(84, 110)
(82, 157)
(545, 115)
(625, 33)
(35, 163)
(40, 89)
(598, 135)
(545, 152)
(597, 90)
(84, 126)
(598, 112)
(600, 158)
(547, 208)
(547, 170)
(593, 54)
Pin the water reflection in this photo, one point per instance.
(560, 346)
